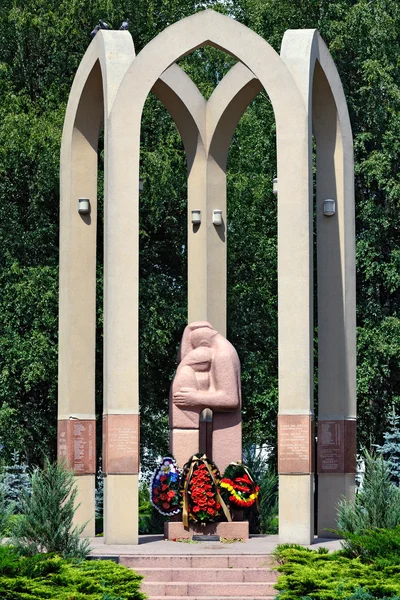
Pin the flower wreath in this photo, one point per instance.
(238, 486)
(202, 502)
(164, 490)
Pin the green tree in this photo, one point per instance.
(41, 45)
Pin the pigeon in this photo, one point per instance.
(124, 25)
(95, 30)
(104, 25)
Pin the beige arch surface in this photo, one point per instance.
(316, 75)
(295, 281)
(92, 95)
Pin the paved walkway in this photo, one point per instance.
(155, 544)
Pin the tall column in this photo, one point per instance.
(295, 336)
(77, 310)
(336, 305)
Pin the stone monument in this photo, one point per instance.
(109, 90)
(208, 377)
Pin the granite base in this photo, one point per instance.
(232, 530)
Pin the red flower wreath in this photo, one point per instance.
(202, 502)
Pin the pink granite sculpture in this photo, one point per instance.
(208, 376)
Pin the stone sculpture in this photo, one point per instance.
(208, 376)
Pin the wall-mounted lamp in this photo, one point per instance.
(217, 217)
(140, 185)
(275, 186)
(83, 206)
(329, 207)
(196, 216)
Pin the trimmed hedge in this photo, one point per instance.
(49, 576)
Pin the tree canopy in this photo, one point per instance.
(41, 45)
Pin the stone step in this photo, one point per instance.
(228, 575)
(199, 561)
(213, 597)
(196, 589)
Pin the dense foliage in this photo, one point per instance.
(390, 448)
(47, 576)
(46, 522)
(41, 45)
(14, 481)
(309, 574)
(377, 503)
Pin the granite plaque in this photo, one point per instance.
(77, 445)
(295, 444)
(336, 446)
(121, 444)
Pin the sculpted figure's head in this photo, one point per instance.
(202, 336)
(198, 333)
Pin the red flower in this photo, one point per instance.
(211, 502)
(217, 506)
(164, 487)
(155, 500)
(166, 505)
(210, 511)
(163, 478)
(170, 494)
(196, 509)
(163, 497)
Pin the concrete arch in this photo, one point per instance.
(316, 75)
(92, 94)
(294, 226)
(206, 129)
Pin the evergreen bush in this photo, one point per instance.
(391, 448)
(14, 481)
(46, 522)
(381, 545)
(377, 504)
(6, 511)
(311, 575)
(265, 520)
(49, 576)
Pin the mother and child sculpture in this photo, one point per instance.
(207, 377)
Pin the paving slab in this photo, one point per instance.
(155, 544)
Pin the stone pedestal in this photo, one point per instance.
(121, 509)
(234, 529)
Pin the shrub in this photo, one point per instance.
(15, 481)
(377, 504)
(308, 574)
(391, 448)
(269, 503)
(46, 576)
(264, 521)
(6, 512)
(46, 522)
(374, 544)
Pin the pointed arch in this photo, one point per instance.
(91, 97)
(294, 216)
(316, 75)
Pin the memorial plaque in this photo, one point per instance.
(77, 445)
(295, 444)
(336, 446)
(121, 444)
